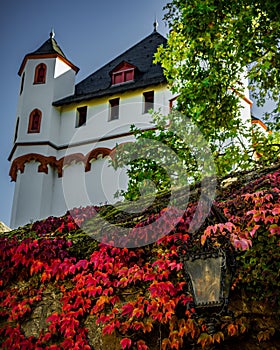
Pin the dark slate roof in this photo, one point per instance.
(147, 73)
(49, 47)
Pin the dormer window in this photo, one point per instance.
(123, 73)
(40, 74)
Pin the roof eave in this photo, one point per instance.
(77, 99)
(49, 55)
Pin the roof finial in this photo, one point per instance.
(52, 34)
(155, 24)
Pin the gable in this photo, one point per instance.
(122, 67)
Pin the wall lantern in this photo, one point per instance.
(208, 272)
(209, 279)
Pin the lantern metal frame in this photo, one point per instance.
(218, 255)
(213, 309)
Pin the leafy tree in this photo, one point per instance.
(213, 49)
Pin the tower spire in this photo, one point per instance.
(52, 34)
(155, 24)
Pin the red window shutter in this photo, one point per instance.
(129, 75)
(34, 121)
(118, 78)
(40, 74)
(122, 73)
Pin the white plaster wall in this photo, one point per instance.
(31, 192)
(245, 112)
(60, 68)
(98, 124)
(44, 195)
(39, 149)
(95, 187)
(102, 182)
(58, 207)
(42, 96)
(38, 195)
(36, 96)
(64, 83)
(17, 220)
(47, 192)
(73, 185)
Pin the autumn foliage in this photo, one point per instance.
(140, 294)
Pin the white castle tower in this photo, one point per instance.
(46, 75)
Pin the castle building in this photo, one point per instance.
(65, 133)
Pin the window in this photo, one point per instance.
(148, 101)
(22, 83)
(34, 121)
(123, 73)
(81, 116)
(114, 108)
(40, 74)
(16, 130)
(123, 76)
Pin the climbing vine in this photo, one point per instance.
(140, 293)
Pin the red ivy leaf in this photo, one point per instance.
(141, 345)
(127, 309)
(126, 343)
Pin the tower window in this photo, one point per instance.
(114, 108)
(34, 121)
(40, 74)
(148, 101)
(22, 83)
(81, 117)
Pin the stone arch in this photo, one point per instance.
(19, 163)
(93, 154)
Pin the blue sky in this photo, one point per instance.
(90, 33)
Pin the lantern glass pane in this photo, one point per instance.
(205, 275)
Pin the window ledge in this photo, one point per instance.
(124, 83)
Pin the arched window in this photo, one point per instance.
(40, 74)
(34, 121)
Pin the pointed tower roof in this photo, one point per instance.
(49, 49)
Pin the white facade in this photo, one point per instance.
(61, 166)
(56, 169)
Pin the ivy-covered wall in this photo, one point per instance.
(61, 289)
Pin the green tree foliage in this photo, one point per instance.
(211, 46)
(214, 48)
